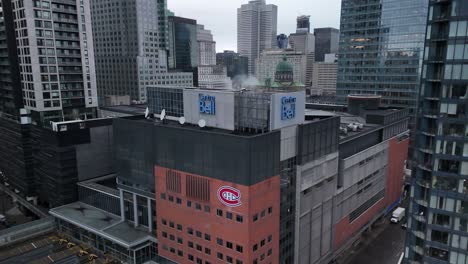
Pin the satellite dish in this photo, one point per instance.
(202, 123)
(163, 114)
(182, 120)
(146, 112)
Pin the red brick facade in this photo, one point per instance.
(194, 226)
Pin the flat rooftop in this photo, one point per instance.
(102, 223)
(47, 249)
(137, 109)
(345, 120)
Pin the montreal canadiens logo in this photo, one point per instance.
(229, 196)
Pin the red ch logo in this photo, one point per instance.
(229, 196)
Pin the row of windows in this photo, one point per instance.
(206, 208)
(198, 260)
(262, 214)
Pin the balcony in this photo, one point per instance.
(64, 10)
(421, 202)
(419, 234)
(68, 29)
(418, 250)
(424, 183)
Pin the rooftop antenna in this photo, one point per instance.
(202, 123)
(182, 120)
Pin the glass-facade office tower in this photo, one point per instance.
(131, 46)
(256, 30)
(326, 41)
(438, 211)
(381, 50)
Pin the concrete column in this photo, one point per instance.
(135, 209)
(150, 217)
(122, 205)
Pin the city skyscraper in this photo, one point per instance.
(381, 49)
(437, 217)
(53, 68)
(256, 30)
(206, 46)
(131, 46)
(326, 41)
(282, 41)
(303, 41)
(183, 43)
(303, 24)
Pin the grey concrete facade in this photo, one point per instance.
(256, 30)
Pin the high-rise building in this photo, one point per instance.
(324, 76)
(183, 43)
(54, 61)
(303, 24)
(326, 41)
(303, 41)
(11, 99)
(209, 75)
(282, 41)
(256, 30)
(206, 46)
(131, 46)
(236, 65)
(437, 216)
(384, 58)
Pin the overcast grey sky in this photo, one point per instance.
(220, 16)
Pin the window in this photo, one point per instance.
(255, 261)
(228, 244)
(238, 261)
(229, 259)
(198, 206)
(229, 215)
(179, 201)
(179, 227)
(255, 247)
(262, 214)
(171, 224)
(198, 233)
(207, 251)
(207, 237)
(270, 210)
(190, 257)
(190, 231)
(179, 240)
(163, 196)
(189, 203)
(255, 217)
(190, 244)
(164, 234)
(199, 261)
(239, 248)
(269, 238)
(219, 241)
(180, 253)
(219, 255)
(239, 218)
(270, 251)
(172, 250)
(219, 212)
(262, 243)
(172, 237)
(262, 257)
(164, 222)
(171, 198)
(207, 208)
(199, 247)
